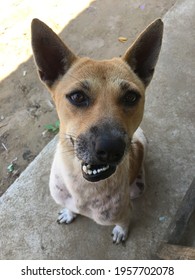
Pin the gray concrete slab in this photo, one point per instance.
(28, 213)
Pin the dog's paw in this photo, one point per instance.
(119, 234)
(138, 187)
(66, 216)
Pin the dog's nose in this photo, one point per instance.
(109, 150)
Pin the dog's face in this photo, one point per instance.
(100, 103)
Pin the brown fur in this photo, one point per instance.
(135, 160)
(104, 88)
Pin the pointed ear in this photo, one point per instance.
(51, 55)
(143, 54)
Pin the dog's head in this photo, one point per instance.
(100, 103)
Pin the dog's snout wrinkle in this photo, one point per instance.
(109, 150)
(102, 144)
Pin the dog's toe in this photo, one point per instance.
(66, 216)
(119, 234)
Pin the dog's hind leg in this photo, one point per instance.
(137, 176)
(138, 187)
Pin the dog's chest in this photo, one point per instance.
(104, 201)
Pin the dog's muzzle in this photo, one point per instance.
(100, 156)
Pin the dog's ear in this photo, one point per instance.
(52, 56)
(143, 54)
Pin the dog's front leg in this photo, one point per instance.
(61, 195)
(121, 230)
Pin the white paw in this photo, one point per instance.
(119, 234)
(66, 216)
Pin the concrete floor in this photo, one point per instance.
(28, 213)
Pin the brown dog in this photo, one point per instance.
(98, 165)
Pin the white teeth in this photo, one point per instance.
(87, 169)
(105, 168)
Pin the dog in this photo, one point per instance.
(98, 164)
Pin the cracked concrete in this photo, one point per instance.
(28, 213)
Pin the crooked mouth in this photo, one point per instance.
(94, 173)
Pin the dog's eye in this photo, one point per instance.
(130, 98)
(78, 98)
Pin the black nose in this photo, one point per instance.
(109, 150)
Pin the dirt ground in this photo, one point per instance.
(25, 106)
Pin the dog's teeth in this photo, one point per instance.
(88, 169)
(85, 168)
(105, 168)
